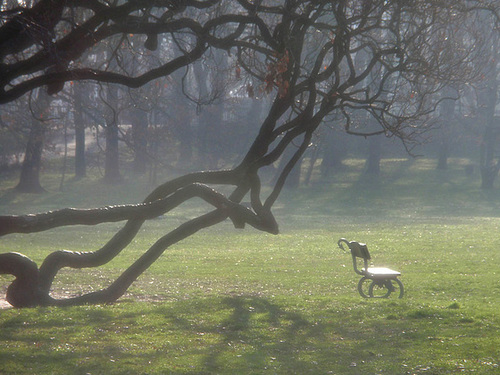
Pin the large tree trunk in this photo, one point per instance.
(23, 292)
(32, 285)
(29, 182)
(111, 157)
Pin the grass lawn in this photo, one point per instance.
(227, 301)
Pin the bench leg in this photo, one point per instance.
(384, 288)
(401, 288)
(363, 286)
(369, 288)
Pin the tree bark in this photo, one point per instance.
(31, 286)
(29, 181)
(23, 291)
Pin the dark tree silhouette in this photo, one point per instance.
(302, 52)
(29, 181)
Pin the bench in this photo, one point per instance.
(376, 282)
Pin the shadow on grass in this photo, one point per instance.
(231, 335)
(253, 325)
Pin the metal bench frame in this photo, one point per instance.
(376, 282)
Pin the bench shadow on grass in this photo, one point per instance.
(236, 334)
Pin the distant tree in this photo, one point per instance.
(374, 156)
(481, 92)
(478, 91)
(10, 149)
(80, 126)
(29, 181)
(487, 101)
(446, 119)
(490, 163)
(110, 96)
(14, 130)
(334, 151)
(301, 52)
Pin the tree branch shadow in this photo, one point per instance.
(236, 334)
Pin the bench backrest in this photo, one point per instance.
(358, 250)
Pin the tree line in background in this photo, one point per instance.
(187, 121)
(205, 116)
(233, 89)
(159, 129)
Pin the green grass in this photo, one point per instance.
(227, 301)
